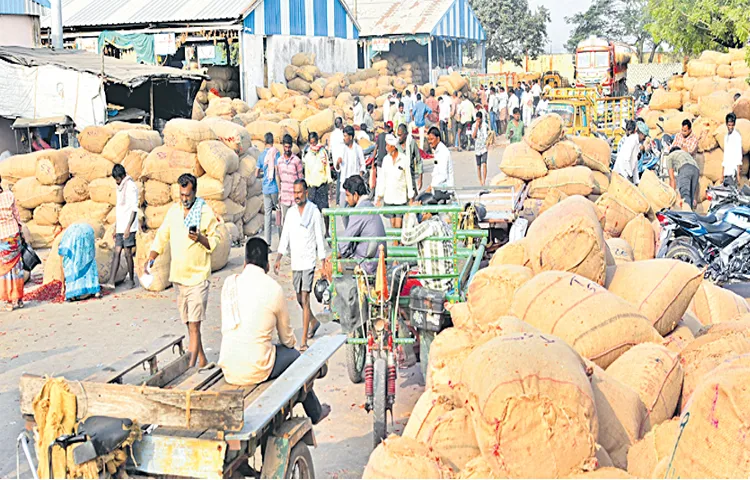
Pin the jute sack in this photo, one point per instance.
(259, 128)
(503, 180)
(166, 164)
(247, 166)
(491, 291)
(661, 289)
(94, 138)
(603, 472)
(711, 442)
(41, 236)
(76, 190)
(743, 127)
(514, 378)
(238, 194)
(562, 154)
(452, 437)
(105, 250)
(155, 215)
(89, 166)
(712, 304)
(616, 214)
(185, 135)
(291, 127)
(53, 264)
(118, 147)
(640, 235)
(704, 129)
(30, 193)
(133, 163)
(656, 445)
(252, 208)
(432, 404)
(520, 160)
(713, 169)
(477, 468)
(513, 253)
(595, 152)
(570, 180)
(679, 338)
(621, 415)
(321, 123)
(554, 196)
(157, 193)
(600, 325)
(227, 210)
(18, 166)
(545, 131)
(209, 188)
(627, 194)
(217, 159)
(47, 214)
(654, 372)
(659, 194)
(24, 213)
(402, 457)
(104, 190)
(253, 226)
(160, 269)
(620, 250)
(231, 134)
(87, 211)
(664, 100)
(568, 237)
(279, 90)
(220, 255)
(52, 168)
(698, 68)
(120, 126)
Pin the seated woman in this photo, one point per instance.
(78, 252)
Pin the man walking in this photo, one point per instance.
(493, 109)
(456, 117)
(350, 162)
(479, 134)
(421, 110)
(408, 147)
(732, 153)
(190, 229)
(434, 106)
(290, 170)
(466, 116)
(302, 239)
(445, 116)
(317, 173)
(126, 225)
(516, 127)
(266, 169)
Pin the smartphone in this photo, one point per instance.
(193, 229)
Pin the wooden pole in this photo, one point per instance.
(151, 119)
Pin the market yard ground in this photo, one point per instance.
(74, 340)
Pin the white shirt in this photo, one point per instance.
(541, 107)
(445, 108)
(336, 143)
(302, 243)
(626, 163)
(513, 103)
(127, 204)
(387, 109)
(536, 90)
(502, 100)
(353, 162)
(732, 153)
(442, 174)
(394, 184)
(359, 114)
(492, 102)
(527, 100)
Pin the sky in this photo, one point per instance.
(557, 30)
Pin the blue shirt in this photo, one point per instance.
(408, 106)
(420, 111)
(269, 178)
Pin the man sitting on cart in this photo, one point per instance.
(361, 226)
(253, 306)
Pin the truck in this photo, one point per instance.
(603, 64)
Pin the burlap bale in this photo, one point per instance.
(254, 225)
(661, 289)
(118, 147)
(656, 445)
(520, 160)
(568, 237)
(217, 159)
(111, 217)
(238, 194)
(53, 263)
(659, 194)
(713, 169)
(741, 107)
(673, 124)
(627, 194)
(562, 154)
(278, 90)
(133, 163)
(571, 181)
(603, 472)
(220, 255)
(595, 152)
(94, 138)
(712, 304)
(52, 167)
(259, 128)
(716, 106)
(704, 129)
(157, 193)
(87, 211)
(554, 196)
(24, 213)
(679, 338)
(30, 193)
(514, 378)
(403, 457)
(290, 72)
(513, 253)
(742, 126)
(491, 291)
(160, 269)
(291, 126)
(600, 325)
(76, 190)
(254, 190)
(452, 437)
(227, 210)
(166, 164)
(209, 188)
(47, 214)
(252, 208)
(664, 100)
(616, 214)
(725, 71)
(155, 215)
(198, 112)
(105, 250)
(89, 166)
(321, 123)
(544, 132)
(621, 250)
(703, 88)
(231, 134)
(185, 135)
(104, 190)
(698, 68)
(300, 85)
(432, 404)
(42, 236)
(641, 236)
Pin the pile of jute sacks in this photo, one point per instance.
(705, 94)
(566, 362)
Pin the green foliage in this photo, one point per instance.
(513, 29)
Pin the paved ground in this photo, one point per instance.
(74, 340)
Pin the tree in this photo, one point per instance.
(692, 26)
(513, 29)
(594, 21)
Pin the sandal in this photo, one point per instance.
(313, 331)
(9, 307)
(303, 348)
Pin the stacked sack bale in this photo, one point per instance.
(223, 83)
(561, 352)
(412, 70)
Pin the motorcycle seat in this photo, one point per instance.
(710, 218)
(106, 433)
(717, 227)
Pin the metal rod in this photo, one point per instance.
(23, 441)
(152, 104)
(346, 212)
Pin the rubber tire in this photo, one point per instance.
(379, 411)
(683, 249)
(302, 453)
(355, 370)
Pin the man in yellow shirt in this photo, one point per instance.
(317, 173)
(190, 229)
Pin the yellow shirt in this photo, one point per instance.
(191, 261)
(317, 170)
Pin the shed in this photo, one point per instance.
(19, 22)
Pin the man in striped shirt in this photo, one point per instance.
(686, 139)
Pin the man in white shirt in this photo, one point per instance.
(302, 239)
(350, 161)
(536, 92)
(479, 134)
(359, 112)
(394, 187)
(248, 323)
(466, 111)
(527, 106)
(445, 115)
(442, 173)
(126, 225)
(626, 164)
(502, 110)
(732, 153)
(492, 109)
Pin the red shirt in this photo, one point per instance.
(433, 104)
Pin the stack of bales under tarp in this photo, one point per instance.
(224, 82)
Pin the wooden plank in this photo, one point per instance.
(113, 373)
(199, 378)
(148, 405)
(179, 456)
(170, 372)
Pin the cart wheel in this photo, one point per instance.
(379, 387)
(355, 359)
(300, 462)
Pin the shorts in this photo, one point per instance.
(319, 196)
(121, 242)
(482, 159)
(302, 280)
(395, 215)
(192, 302)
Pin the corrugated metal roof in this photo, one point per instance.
(23, 7)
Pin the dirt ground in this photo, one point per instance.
(75, 340)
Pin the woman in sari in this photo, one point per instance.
(78, 252)
(11, 267)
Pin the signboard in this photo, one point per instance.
(164, 44)
(206, 52)
(381, 45)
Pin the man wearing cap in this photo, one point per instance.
(394, 188)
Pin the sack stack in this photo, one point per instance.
(225, 81)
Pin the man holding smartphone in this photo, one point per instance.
(190, 230)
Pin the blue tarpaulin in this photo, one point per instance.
(142, 43)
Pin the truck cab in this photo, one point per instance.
(602, 64)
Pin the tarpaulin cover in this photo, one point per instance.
(141, 43)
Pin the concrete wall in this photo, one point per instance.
(251, 65)
(333, 55)
(19, 30)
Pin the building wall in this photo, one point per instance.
(251, 63)
(7, 136)
(332, 55)
(19, 30)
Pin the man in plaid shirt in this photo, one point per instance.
(686, 139)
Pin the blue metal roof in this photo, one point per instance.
(23, 7)
(323, 18)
